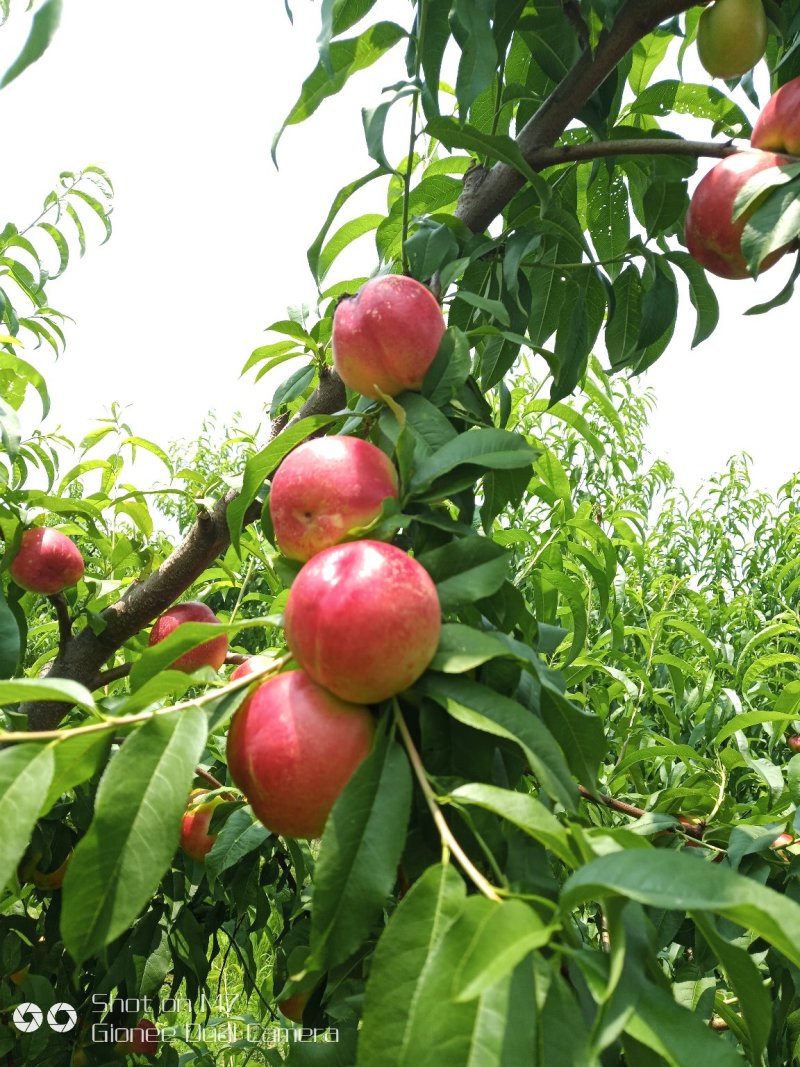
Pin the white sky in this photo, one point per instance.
(179, 103)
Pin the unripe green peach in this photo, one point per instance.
(731, 37)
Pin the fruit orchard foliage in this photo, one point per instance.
(599, 629)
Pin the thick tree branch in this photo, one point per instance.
(636, 19)
(329, 396)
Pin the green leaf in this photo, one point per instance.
(61, 244)
(261, 466)
(25, 774)
(361, 848)
(498, 147)
(676, 1034)
(481, 708)
(659, 304)
(399, 968)
(667, 879)
(702, 295)
(608, 215)
(686, 98)
(581, 318)
(58, 689)
(783, 297)
(487, 448)
(470, 22)
(240, 836)
(622, 328)
(344, 236)
(647, 55)
(439, 1029)
(337, 16)
(773, 226)
(374, 122)
(44, 25)
(77, 759)
(759, 185)
(579, 733)
(466, 570)
(346, 58)
(341, 198)
(431, 53)
(99, 209)
(746, 982)
(499, 937)
(462, 648)
(118, 864)
(10, 434)
(160, 655)
(10, 638)
(449, 370)
(294, 386)
(430, 247)
(521, 809)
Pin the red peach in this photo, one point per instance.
(793, 742)
(782, 840)
(196, 841)
(292, 748)
(324, 490)
(711, 235)
(387, 335)
(294, 1006)
(250, 666)
(211, 653)
(47, 562)
(140, 1040)
(364, 620)
(777, 128)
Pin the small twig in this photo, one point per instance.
(280, 859)
(64, 621)
(542, 157)
(685, 826)
(199, 772)
(113, 674)
(446, 833)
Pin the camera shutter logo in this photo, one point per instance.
(52, 1017)
(28, 1017)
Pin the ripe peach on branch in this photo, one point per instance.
(47, 562)
(712, 236)
(363, 619)
(210, 654)
(292, 747)
(386, 336)
(324, 490)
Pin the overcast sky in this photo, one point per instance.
(179, 102)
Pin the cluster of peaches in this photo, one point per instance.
(362, 619)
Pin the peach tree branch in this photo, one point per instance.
(636, 19)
